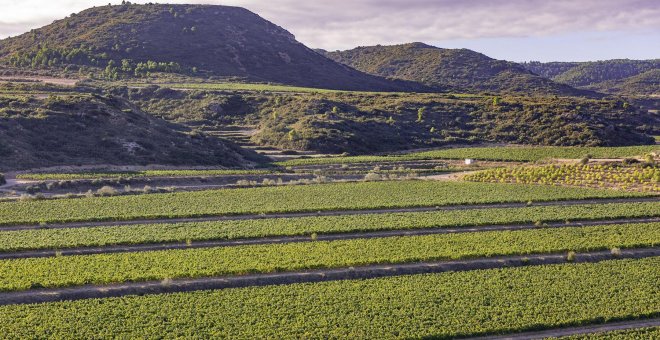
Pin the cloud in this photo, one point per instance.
(343, 24)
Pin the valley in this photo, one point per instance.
(194, 171)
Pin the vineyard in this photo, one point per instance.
(486, 252)
(440, 305)
(300, 226)
(618, 176)
(325, 197)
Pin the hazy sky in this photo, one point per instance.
(516, 30)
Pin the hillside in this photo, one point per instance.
(360, 123)
(85, 129)
(621, 76)
(462, 70)
(200, 40)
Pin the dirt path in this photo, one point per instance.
(326, 213)
(130, 248)
(576, 330)
(317, 275)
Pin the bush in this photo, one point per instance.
(106, 191)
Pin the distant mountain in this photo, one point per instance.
(85, 129)
(460, 69)
(134, 40)
(619, 76)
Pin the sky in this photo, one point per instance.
(516, 30)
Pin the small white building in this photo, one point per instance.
(469, 161)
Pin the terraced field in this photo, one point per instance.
(433, 253)
(522, 154)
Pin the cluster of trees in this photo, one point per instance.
(49, 57)
(46, 56)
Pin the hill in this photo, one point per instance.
(362, 123)
(620, 76)
(205, 40)
(462, 70)
(85, 129)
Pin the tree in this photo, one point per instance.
(126, 65)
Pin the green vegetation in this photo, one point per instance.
(440, 305)
(218, 230)
(644, 178)
(520, 154)
(336, 196)
(142, 173)
(64, 271)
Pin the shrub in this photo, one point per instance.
(372, 177)
(106, 191)
(570, 257)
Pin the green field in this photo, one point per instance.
(143, 173)
(521, 154)
(218, 230)
(436, 305)
(336, 196)
(21, 274)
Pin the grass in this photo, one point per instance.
(447, 305)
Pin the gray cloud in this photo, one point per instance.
(346, 23)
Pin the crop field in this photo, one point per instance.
(520, 154)
(272, 227)
(440, 305)
(642, 178)
(143, 173)
(64, 271)
(323, 197)
(270, 243)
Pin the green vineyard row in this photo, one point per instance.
(64, 271)
(335, 196)
(216, 230)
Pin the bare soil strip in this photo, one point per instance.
(568, 331)
(325, 213)
(130, 248)
(308, 276)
